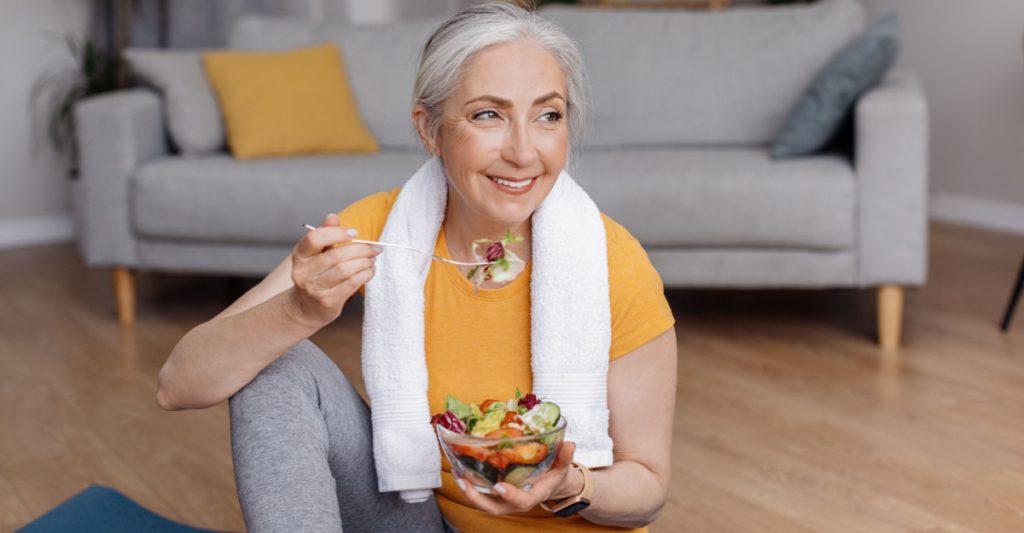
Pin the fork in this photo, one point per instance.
(410, 248)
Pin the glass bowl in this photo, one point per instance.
(513, 460)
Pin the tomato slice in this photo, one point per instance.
(476, 452)
(525, 453)
(486, 404)
(497, 460)
(511, 417)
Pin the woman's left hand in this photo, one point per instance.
(505, 498)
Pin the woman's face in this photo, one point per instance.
(504, 134)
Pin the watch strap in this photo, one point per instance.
(573, 504)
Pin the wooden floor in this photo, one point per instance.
(788, 419)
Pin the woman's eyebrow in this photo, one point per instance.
(508, 103)
(549, 96)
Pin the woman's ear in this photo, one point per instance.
(421, 120)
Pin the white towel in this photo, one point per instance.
(570, 329)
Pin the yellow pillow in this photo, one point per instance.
(286, 103)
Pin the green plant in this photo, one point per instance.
(95, 71)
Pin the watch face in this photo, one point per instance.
(572, 509)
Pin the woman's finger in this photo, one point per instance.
(522, 500)
(328, 234)
(333, 298)
(315, 241)
(325, 261)
(566, 452)
(480, 501)
(563, 456)
(350, 285)
(340, 272)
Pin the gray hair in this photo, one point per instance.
(475, 28)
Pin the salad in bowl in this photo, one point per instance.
(512, 442)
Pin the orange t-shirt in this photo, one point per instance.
(473, 356)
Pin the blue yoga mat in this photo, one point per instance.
(99, 509)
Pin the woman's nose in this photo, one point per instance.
(518, 148)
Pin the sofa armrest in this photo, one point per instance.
(891, 164)
(116, 133)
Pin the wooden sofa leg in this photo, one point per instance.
(124, 293)
(890, 316)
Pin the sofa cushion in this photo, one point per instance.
(291, 102)
(381, 63)
(724, 197)
(676, 77)
(218, 198)
(193, 117)
(821, 110)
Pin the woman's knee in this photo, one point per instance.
(294, 373)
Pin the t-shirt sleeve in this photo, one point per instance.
(368, 215)
(640, 311)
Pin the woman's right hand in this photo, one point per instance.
(327, 270)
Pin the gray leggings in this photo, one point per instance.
(303, 455)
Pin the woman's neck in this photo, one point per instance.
(462, 227)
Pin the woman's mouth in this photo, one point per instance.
(513, 185)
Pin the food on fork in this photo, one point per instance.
(503, 264)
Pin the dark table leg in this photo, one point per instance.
(1008, 315)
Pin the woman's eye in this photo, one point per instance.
(552, 116)
(485, 115)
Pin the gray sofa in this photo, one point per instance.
(685, 107)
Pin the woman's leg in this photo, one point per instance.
(301, 442)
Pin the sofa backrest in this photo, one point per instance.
(656, 77)
(683, 77)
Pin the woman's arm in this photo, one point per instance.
(631, 492)
(642, 399)
(305, 292)
(218, 357)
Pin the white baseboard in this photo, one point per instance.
(18, 232)
(996, 215)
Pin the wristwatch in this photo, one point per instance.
(573, 504)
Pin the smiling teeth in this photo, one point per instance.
(514, 184)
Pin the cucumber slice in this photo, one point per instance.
(548, 412)
(516, 475)
(551, 441)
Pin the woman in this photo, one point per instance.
(498, 94)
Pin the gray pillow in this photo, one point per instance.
(193, 116)
(858, 67)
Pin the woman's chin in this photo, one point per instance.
(509, 221)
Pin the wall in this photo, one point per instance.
(969, 56)
(34, 188)
(202, 23)
(34, 192)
